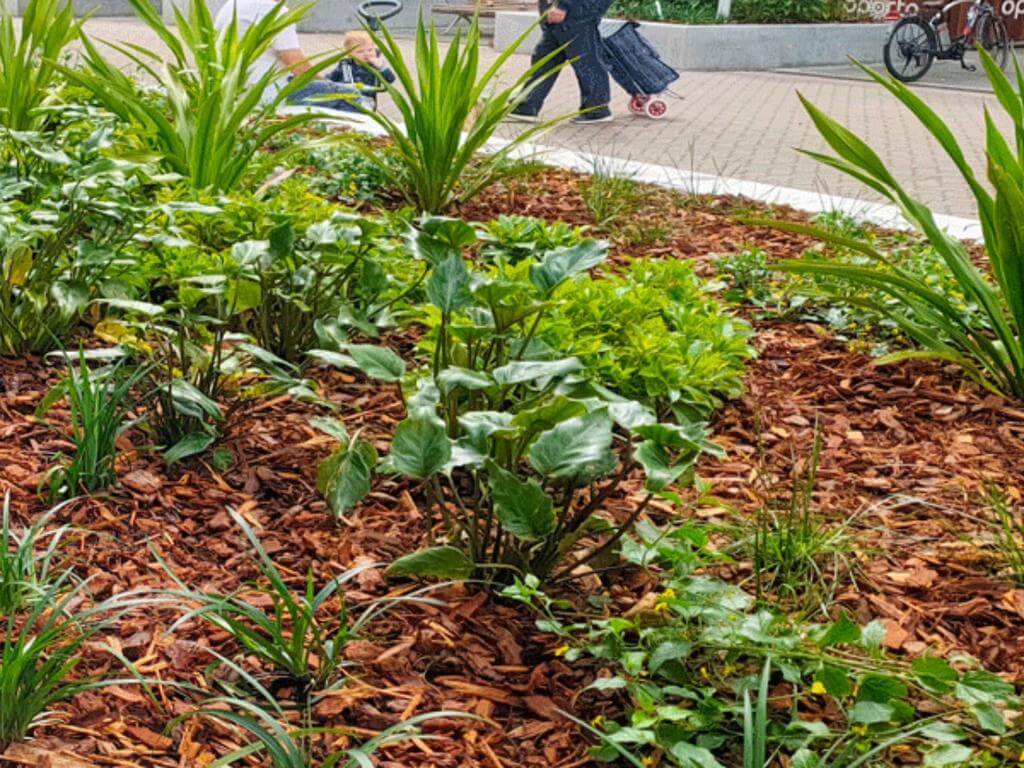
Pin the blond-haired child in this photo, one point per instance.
(362, 68)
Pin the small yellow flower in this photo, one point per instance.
(668, 594)
(648, 760)
(818, 688)
(661, 608)
(704, 673)
(860, 730)
(597, 721)
(1021, 758)
(561, 650)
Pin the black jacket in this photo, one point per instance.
(363, 76)
(578, 11)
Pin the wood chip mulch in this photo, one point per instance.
(908, 452)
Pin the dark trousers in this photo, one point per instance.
(582, 42)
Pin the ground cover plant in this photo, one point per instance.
(379, 487)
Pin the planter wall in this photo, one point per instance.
(733, 46)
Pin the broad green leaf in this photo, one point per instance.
(347, 480)
(562, 263)
(934, 674)
(989, 718)
(535, 370)
(377, 362)
(659, 469)
(17, 264)
(946, 755)
(190, 445)
(841, 632)
(545, 416)
(578, 449)
(522, 507)
(448, 285)
(333, 427)
(871, 712)
(691, 756)
(450, 378)
(980, 687)
(434, 562)
(420, 448)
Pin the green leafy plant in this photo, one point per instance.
(213, 119)
(39, 653)
(290, 747)
(610, 194)
(28, 53)
(303, 635)
(515, 451)
(652, 334)
(992, 352)
(99, 404)
(1008, 526)
(342, 173)
(795, 554)
(327, 279)
(688, 657)
(344, 477)
(191, 361)
(513, 238)
(448, 112)
(26, 573)
(65, 232)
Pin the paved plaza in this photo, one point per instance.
(748, 126)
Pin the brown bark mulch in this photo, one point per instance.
(908, 453)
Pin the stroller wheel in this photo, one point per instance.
(656, 108)
(637, 104)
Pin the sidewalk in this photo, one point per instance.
(747, 126)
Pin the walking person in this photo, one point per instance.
(573, 24)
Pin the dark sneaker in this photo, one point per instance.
(592, 117)
(522, 117)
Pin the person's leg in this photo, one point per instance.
(547, 45)
(585, 51)
(317, 93)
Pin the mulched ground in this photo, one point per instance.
(908, 452)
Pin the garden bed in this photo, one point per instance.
(906, 452)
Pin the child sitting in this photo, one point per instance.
(363, 68)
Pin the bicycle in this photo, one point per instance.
(915, 42)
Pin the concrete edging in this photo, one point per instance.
(731, 46)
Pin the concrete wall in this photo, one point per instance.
(733, 46)
(95, 7)
(325, 16)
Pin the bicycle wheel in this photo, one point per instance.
(910, 49)
(992, 35)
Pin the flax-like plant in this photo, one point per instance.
(25, 562)
(99, 403)
(212, 121)
(38, 654)
(299, 636)
(992, 352)
(449, 111)
(28, 55)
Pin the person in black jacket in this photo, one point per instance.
(363, 68)
(575, 25)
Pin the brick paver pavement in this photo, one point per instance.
(747, 126)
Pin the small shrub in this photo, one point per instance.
(610, 195)
(516, 450)
(99, 403)
(652, 335)
(38, 655)
(449, 111)
(514, 238)
(25, 573)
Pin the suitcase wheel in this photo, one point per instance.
(637, 104)
(656, 108)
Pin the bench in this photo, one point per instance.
(485, 9)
